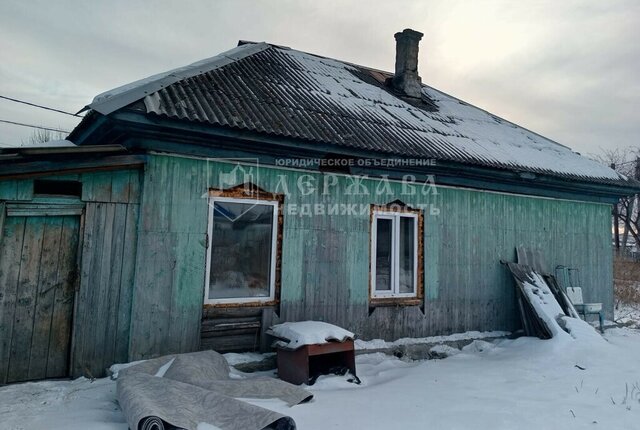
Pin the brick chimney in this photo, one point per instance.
(406, 78)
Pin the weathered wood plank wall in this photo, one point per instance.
(102, 309)
(325, 269)
(109, 244)
(169, 278)
(36, 296)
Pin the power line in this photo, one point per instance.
(34, 126)
(38, 106)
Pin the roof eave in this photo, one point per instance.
(199, 139)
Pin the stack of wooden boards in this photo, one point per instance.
(549, 301)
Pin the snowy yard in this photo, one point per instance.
(628, 314)
(524, 383)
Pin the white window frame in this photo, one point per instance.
(395, 254)
(274, 250)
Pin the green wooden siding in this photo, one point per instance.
(169, 277)
(325, 259)
(143, 254)
(16, 189)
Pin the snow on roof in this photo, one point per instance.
(58, 143)
(297, 334)
(284, 92)
(114, 99)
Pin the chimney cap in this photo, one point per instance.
(409, 33)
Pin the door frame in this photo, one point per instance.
(29, 208)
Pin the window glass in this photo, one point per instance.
(383, 254)
(406, 263)
(241, 248)
(394, 255)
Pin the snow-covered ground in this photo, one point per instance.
(628, 314)
(470, 335)
(525, 383)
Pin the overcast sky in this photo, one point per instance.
(569, 70)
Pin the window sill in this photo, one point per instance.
(395, 301)
(257, 303)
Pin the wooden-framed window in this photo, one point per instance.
(243, 250)
(396, 255)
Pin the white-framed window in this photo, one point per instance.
(394, 255)
(242, 251)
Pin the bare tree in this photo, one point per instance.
(625, 161)
(42, 136)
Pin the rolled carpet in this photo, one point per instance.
(188, 391)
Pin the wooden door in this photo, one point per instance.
(37, 283)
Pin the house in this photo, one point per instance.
(199, 206)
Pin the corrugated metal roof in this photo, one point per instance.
(285, 92)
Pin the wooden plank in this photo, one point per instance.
(120, 186)
(24, 190)
(188, 279)
(90, 288)
(253, 331)
(40, 209)
(101, 289)
(11, 245)
(26, 300)
(231, 343)
(106, 287)
(266, 321)
(214, 312)
(40, 168)
(210, 324)
(152, 296)
(116, 230)
(3, 217)
(87, 186)
(121, 353)
(101, 190)
(9, 190)
(134, 186)
(61, 323)
(46, 289)
(330, 347)
(82, 317)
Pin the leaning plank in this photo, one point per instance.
(541, 307)
(524, 318)
(531, 257)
